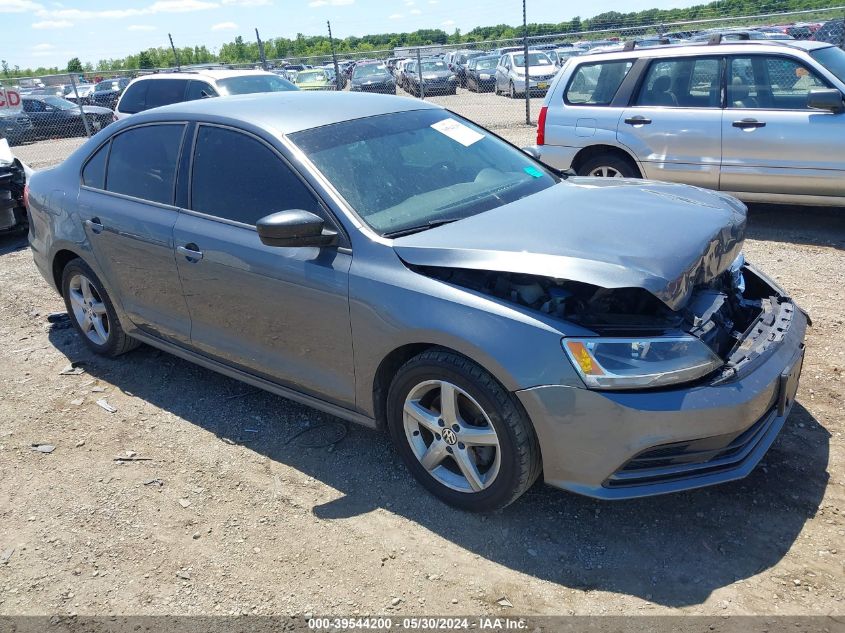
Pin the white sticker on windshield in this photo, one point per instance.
(457, 131)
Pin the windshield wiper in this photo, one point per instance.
(421, 227)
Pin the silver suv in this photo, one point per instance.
(761, 120)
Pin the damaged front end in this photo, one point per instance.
(722, 331)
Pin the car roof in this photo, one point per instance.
(727, 47)
(211, 73)
(289, 111)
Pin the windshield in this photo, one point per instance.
(61, 104)
(310, 75)
(433, 67)
(833, 59)
(486, 64)
(107, 85)
(369, 70)
(248, 84)
(534, 59)
(407, 170)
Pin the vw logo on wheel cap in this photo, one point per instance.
(449, 437)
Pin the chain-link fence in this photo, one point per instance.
(58, 112)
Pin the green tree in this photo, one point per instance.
(144, 60)
(74, 65)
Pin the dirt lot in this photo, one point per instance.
(233, 513)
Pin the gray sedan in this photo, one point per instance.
(390, 263)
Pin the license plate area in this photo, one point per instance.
(789, 383)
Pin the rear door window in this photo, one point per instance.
(596, 84)
(165, 91)
(199, 90)
(265, 183)
(142, 163)
(686, 83)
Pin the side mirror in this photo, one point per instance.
(830, 100)
(294, 227)
(532, 151)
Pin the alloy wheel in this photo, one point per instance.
(605, 171)
(452, 436)
(88, 309)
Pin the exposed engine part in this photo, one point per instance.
(719, 313)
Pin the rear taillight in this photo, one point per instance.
(26, 196)
(541, 126)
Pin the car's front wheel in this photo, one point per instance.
(92, 312)
(461, 434)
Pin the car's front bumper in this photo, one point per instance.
(618, 445)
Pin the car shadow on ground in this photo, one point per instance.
(673, 550)
(816, 226)
(12, 242)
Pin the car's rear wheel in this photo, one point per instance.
(461, 434)
(512, 91)
(92, 312)
(608, 166)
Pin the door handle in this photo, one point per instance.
(748, 124)
(95, 225)
(638, 120)
(190, 251)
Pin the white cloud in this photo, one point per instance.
(409, 3)
(140, 27)
(433, 1)
(43, 47)
(448, 23)
(247, 3)
(330, 3)
(395, 16)
(18, 6)
(224, 26)
(162, 6)
(415, 12)
(52, 24)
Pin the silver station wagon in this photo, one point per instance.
(763, 120)
(393, 264)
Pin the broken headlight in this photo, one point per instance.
(640, 363)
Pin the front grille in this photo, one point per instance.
(681, 460)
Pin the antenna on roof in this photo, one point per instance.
(175, 54)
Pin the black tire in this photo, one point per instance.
(520, 462)
(512, 91)
(621, 165)
(117, 341)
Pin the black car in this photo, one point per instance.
(436, 78)
(481, 73)
(832, 32)
(54, 116)
(373, 77)
(15, 126)
(107, 93)
(13, 216)
(459, 64)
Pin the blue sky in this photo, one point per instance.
(47, 33)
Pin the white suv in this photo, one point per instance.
(159, 89)
(764, 121)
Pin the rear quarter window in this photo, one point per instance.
(134, 99)
(596, 83)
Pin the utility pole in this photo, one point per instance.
(261, 54)
(337, 80)
(525, 52)
(175, 54)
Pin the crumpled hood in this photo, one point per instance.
(607, 232)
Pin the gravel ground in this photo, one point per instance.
(230, 511)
